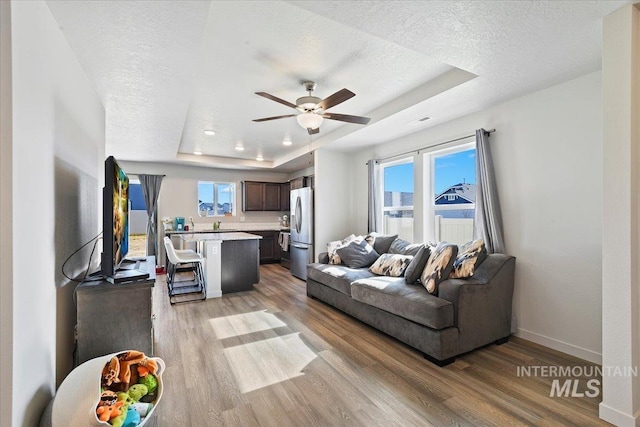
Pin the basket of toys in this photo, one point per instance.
(120, 390)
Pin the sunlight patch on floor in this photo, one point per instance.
(262, 363)
(246, 323)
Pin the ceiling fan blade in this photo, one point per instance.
(347, 118)
(312, 131)
(275, 98)
(335, 99)
(273, 118)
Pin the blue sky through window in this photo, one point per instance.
(455, 168)
(451, 169)
(399, 178)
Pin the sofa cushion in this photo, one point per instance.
(415, 268)
(334, 258)
(357, 254)
(337, 277)
(410, 302)
(393, 265)
(402, 247)
(439, 266)
(470, 256)
(380, 242)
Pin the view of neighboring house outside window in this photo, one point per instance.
(216, 198)
(454, 191)
(138, 218)
(397, 211)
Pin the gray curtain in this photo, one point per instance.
(488, 219)
(375, 205)
(150, 190)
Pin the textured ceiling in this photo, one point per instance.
(167, 70)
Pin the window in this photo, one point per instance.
(454, 190)
(397, 210)
(216, 198)
(138, 219)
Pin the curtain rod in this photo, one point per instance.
(417, 150)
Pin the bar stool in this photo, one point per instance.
(184, 261)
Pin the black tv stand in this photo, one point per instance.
(113, 318)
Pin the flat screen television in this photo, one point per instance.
(115, 232)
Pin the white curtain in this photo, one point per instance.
(375, 205)
(150, 185)
(488, 219)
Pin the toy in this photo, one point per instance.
(133, 418)
(142, 408)
(147, 366)
(107, 412)
(111, 372)
(127, 399)
(150, 381)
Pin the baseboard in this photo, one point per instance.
(618, 418)
(573, 350)
(213, 294)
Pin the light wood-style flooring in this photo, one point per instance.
(274, 357)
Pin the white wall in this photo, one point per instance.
(621, 228)
(6, 232)
(547, 154)
(333, 197)
(58, 152)
(179, 190)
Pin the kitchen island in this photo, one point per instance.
(232, 260)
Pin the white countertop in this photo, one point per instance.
(223, 236)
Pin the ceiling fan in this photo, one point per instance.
(313, 109)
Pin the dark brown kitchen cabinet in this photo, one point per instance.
(253, 196)
(269, 247)
(260, 196)
(285, 192)
(301, 182)
(297, 183)
(272, 197)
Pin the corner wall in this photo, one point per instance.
(6, 220)
(547, 152)
(58, 153)
(621, 228)
(333, 198)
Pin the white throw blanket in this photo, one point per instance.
(283, 240)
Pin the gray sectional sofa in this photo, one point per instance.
(465, 314)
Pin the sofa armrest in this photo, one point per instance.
(323, 258)
(482, 304)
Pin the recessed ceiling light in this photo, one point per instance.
(259, 158)
(209, 132)
(239, 148)
(286, 142)
(198, 153)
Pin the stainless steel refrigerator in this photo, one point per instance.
(301, 243)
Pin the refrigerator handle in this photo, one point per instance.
(298, 214)
(306, 248)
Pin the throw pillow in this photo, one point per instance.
(402, 247)
(393, 265)
(439, 266)
(357, 254)
(380, 242)
(332, 246)
(413, 271)
(469, 258)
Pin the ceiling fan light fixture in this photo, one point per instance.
(309, 120)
